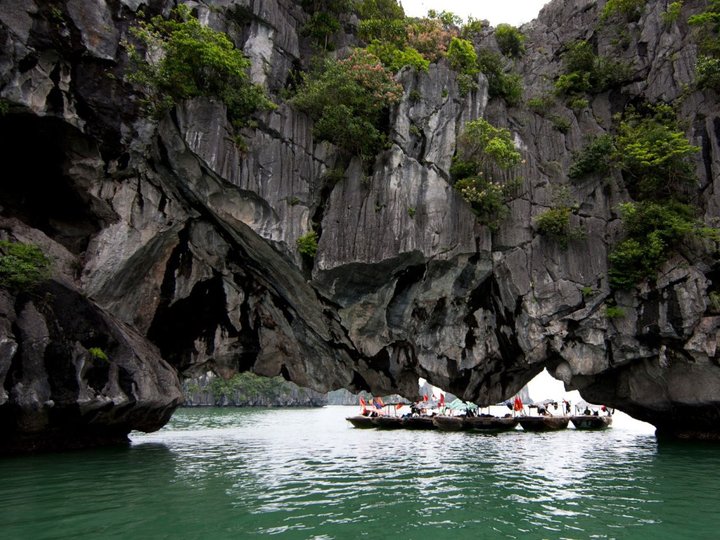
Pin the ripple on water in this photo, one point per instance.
(307, 474)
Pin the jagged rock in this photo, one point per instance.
(181, 231)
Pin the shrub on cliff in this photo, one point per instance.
(654, 154)
(347, 98)
(22, 265)
(501, 83)
(586, 72)
(183, 59)
(482, 151)
(510, 40)
(595, 158)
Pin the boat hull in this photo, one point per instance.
(544, 423)
(490, 424)
(448, 423)
(361, 422)
(591, 422)
(418, 422)
(387, 422)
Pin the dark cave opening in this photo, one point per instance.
(36, 188)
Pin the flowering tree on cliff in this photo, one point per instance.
(347, 99)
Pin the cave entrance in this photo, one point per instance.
(37, 187)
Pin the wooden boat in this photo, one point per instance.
(448, 423)
(490, 424)
(589, 421)
(543, 423)
(359, 421)
(387, 422)
(418, 422)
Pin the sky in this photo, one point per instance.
(515, 12)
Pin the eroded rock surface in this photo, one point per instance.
(177, 239)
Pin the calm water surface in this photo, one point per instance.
(308, 474)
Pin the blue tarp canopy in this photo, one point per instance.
(460, 405)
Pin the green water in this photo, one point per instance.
(308, 474)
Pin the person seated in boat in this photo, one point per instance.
(596, 413)
(586, 412)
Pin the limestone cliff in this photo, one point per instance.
(184, 245)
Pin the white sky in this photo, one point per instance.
(515, 12)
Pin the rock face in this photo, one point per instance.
(173, 238)
(277, 392)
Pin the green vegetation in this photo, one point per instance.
(714, 301)
(247, 387)
(510, 40)
(307, 244)
(541, 104)
(462, 56)
(22, 266)
(585, 72)
(652, 230)
(561, 123)
(320, 29)
(707, 24)
(672, 14)
(594, 158)
(707, 70)
(98, 354)
(614, 312)
(411, 212)
(482, 151)
(629, 10)
(654, 154)
(395, 58)
(587, 291)
(346, 99)
(501, 83)
(555, 221)
(186, 59)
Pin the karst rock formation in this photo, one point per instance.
(174, 249)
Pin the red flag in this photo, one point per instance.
(442, 399)
(398, 406)
(362, 402)
(518, 404)
(424, 397)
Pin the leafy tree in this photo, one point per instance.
(380, 9)
(346, 99)
(462, 56)
(320, 28)
(510, 40)
(430, 36)
(395, 58)
(654, 154)
(187, 60)
(391, 31)
(483, 145)
(22, 266)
